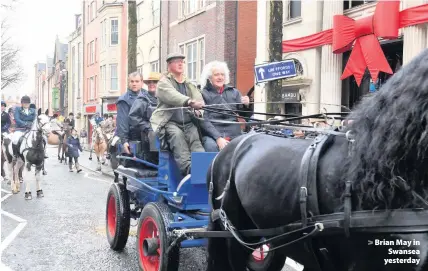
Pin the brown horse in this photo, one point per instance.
(99, 144)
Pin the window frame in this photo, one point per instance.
(289, 8)
(365, 2)
(200, 56)
(116, 77)
(111, 32)
(186, 9)
(155, 64)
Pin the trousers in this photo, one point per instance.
(210, 145)
(183, 140)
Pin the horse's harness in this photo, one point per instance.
(381, 221)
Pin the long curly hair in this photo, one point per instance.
(390, 129)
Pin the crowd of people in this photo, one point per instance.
(170, 109)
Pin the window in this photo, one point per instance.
(114, 32)
(140, 25)
(154, 66)
(113, 77)
(348, 4)
(92, 52)
(294, 9)
(88, 46)
(188, 7)
(89, 14)
(191, 56)
(155, 12)
(140, 69)
(95, 85)
(95, 51)
(195, 57)
(102, 33)
(91, 88)
(103, 81)
(93, 10)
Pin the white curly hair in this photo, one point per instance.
(207, 72)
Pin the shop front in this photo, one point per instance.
(109, 105)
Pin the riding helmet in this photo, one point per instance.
(3, 104)
(25, 99)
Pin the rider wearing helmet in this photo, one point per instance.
(5, 119)
(24, 115)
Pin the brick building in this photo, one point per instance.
(206, 30)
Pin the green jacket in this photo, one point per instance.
(169, 97)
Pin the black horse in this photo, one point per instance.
(387, 167)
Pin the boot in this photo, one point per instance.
(70, 166)
(78, 168)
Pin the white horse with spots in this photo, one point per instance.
(27, 148)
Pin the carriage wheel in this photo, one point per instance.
(153, 241)
(117, 216)
(263, 260)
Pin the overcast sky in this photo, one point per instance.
(35, 24)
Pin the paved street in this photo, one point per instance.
(65, 230)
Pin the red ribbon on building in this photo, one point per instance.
(363, 34)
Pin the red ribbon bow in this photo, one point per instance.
(367, 52)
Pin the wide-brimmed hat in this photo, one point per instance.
(153, 76)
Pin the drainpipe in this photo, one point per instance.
(236, 43)
(160, 37)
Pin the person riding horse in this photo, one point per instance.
(24, 118)
(139, 117)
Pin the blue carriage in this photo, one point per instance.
(162, 201)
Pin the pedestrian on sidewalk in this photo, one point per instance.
(73, 147)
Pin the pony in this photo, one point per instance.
(386, 167)
(99, 144)
(27, 148)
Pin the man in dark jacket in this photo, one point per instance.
(214, 80)
(5, 119)
(139, 116)
(124, 104)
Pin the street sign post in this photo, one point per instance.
(274, 71)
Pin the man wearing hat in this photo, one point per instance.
(140, 113)
(176, 126)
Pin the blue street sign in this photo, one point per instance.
(274, 71)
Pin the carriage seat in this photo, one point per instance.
(138, 172)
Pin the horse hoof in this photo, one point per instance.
(21, 180)
(103, 163)
(28, 196)
(44, 172)
(40, 193)
(15, 191)
(90, 158)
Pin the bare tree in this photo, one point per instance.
(11, 69)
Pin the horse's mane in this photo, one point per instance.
(391, 131)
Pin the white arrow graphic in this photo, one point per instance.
(261, 71)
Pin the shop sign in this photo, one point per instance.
(90, 109)
(110, 108)
(290, 96)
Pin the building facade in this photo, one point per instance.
(148, 31)
(205, 30)
(318, 82)
(113, 48)
(39, 77)
(59, 78)
(75, 73)
(105, 37)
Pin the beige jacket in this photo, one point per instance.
(169, 97)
